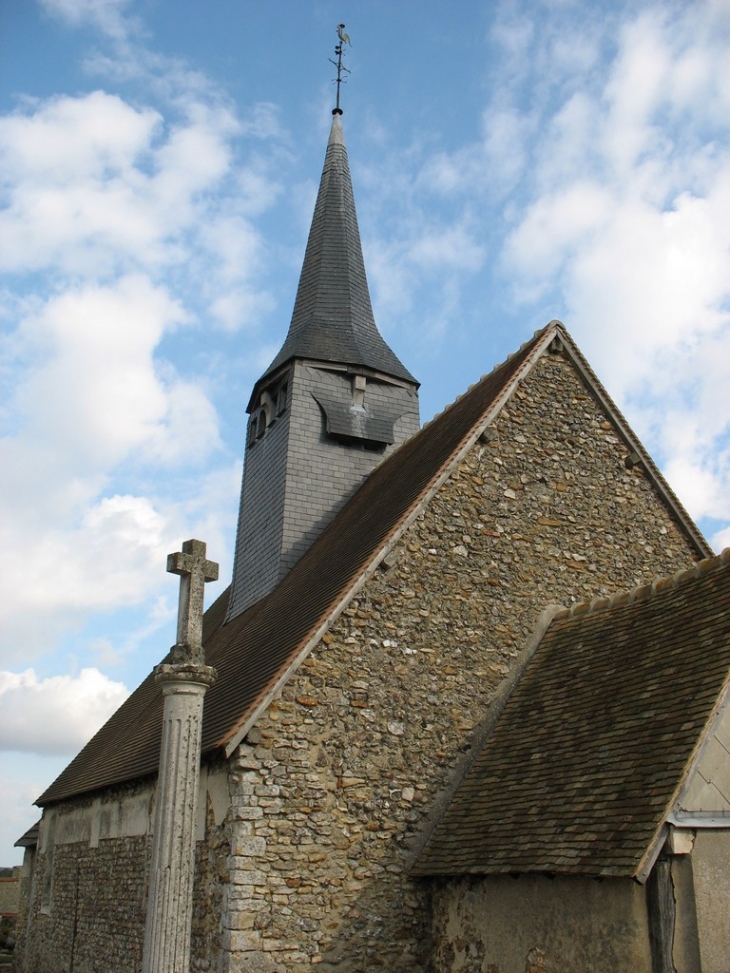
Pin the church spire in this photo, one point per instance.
(333, 403)
(333, 318)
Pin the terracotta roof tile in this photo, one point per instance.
(585, 761)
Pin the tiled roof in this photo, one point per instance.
(30, 838)
(585, 760)
(253, 650)
(333, 317)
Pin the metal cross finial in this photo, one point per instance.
(343, 39)
(194, 571)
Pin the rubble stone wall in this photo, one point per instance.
(540, 925)
(333, 785)
(86, 908)
(87, 900)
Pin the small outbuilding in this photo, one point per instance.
(590, 827)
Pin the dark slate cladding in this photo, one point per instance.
(347, 422)
(252, 650)
(583, 764)
(333, 317)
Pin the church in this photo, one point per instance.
(459, 724)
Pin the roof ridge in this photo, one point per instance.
(632, 441)
(648, 590)
(486, 375)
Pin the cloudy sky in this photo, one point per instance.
(513, 162)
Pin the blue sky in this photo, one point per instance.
(513, 162)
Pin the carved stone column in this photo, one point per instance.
(184, 684)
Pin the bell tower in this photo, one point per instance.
(333, 403)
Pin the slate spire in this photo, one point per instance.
(333, 318)
(331, 406)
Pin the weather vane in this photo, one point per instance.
(343, 39)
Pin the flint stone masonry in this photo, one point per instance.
(86, 922)
(26, 883)
(212, 876)
(76, 918)
(574, 923)
(340, 773)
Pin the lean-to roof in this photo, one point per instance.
(587, 757)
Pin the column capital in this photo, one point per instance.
(184, 674)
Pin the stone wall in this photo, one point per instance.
(87, 901)
(85, 910)
(212, 874)
(26, 885)
(336, 780)
(307, 843)
(536, 924)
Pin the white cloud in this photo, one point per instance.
(93, 135)
(240, 308)
(623, 217)
(721, 540)
(24, 780)
(93, 393)
(555, 227)
(91, 398)
(236, 246)
(57, 715)
(133, 204)
(113, 556)
(119, 190)
(490, 166)
(454, 247)
(109, 16)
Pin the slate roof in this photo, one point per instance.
(333, 318)
(586, 759)
(255, 651)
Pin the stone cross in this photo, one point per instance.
(184, 682)
(194, 570)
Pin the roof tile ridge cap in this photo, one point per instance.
(486, 375)
(707, 565)
(651, 588)
(589, 607)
